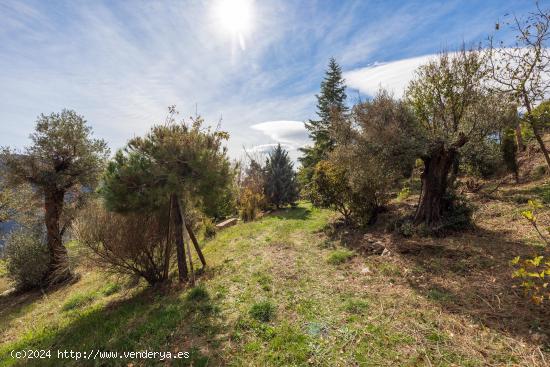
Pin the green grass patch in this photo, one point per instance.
(263, 311)
(356, 306)
(340, 256)
(78, 300)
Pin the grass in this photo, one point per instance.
(263, 311)
(340, 256)
(269, 298)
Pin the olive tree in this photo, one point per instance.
(452, 106)
(62, 164)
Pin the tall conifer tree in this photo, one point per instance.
(330, 104)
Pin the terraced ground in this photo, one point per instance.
(290, 290)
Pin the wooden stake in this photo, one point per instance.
(188, 248)
(196, 244)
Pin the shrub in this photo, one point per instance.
(340, 256)
(250, 204)
(130, 244)
(209, 228)
(263, 311)
(404, 193)
(457, 214)
(483, 158)
(534, 272)
(27, 258)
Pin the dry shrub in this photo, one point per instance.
(131, 244)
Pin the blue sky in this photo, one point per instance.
(121, 63)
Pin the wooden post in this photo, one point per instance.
(178, 231)
(168, 245)
(188, 247)
(196, 244)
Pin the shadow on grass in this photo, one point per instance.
(470, 274)
(16, 303)
(296, 213)
(521, 196)
(151, 320)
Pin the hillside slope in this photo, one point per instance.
(332, 307)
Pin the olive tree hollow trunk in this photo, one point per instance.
(437, 166)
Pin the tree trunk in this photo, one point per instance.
(58, 270)
(434, 185)
(535, 129)
(178, 232)
(536, 132)
(519, 138)
(168, 244)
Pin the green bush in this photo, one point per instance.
(263, 311)
(27, 258)
(404, 193)
(340, 256)
(457, 215)
(210, 229)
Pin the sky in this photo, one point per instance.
(252, 66)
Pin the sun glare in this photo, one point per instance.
(235, 17)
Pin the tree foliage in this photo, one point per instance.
(280, 179)
(453, 107)
(174, 168)
(331, 103)
(63, 164)
(520, 69)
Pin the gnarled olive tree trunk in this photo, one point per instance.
(437, 165)
(58, 270)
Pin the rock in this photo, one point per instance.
(365, 270)
(227, 223)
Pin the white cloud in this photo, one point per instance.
(291, 133)
(393, 76)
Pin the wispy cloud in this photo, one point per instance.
(392, 76)
(120, 64)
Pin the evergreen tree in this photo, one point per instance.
(175, 166)
(280, 178)
(330, 103)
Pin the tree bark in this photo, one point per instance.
(58, 270)
(437, 166)
(178, 232)
(168, 244)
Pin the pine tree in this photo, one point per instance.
(330, 102)
(280, 182)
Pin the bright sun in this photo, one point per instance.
(235, 17)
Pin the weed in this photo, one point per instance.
(263, 311)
